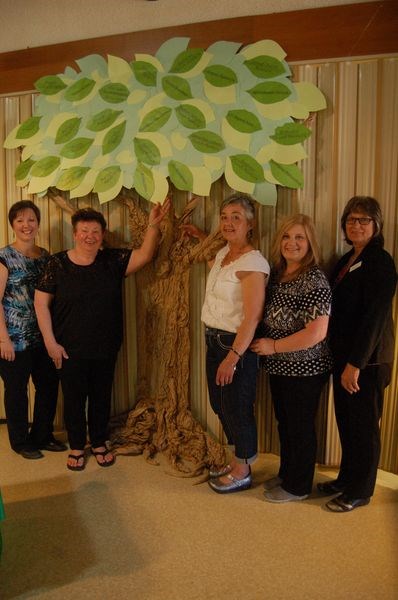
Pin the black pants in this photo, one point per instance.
(36, 363)
(358, 420)
(296, 401)
(87, 380)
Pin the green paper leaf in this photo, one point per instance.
(176, 87)
(45, 166)
(144, 72)
(265, 67)
(113, 138)
(186, 60)
(243, 121)
(143, 181)
(287, 175)
(220, 76)
(207, 141)
(28, 129)
(114, 93)
(50, 85)
(269, 92)
(67, 130)
(23, 169)
(71, 178)
(76, 147)
(247, 168)
(79, 90)
(106, 179)
(146, 152)
(155, 119)
(291, 133)
(103, 119)
(190, 116)
(180, 176)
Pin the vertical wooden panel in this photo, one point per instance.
(353, 150)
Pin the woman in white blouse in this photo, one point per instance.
(233, 307)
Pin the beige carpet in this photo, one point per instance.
(134, 532)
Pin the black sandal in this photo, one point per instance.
(76, 467)
(103, 453)
(344, 504)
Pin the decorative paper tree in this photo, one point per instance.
(188, 116)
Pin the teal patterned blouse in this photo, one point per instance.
(19, 312)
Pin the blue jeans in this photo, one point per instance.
(233, 403)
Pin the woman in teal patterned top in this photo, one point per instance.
(22, 352)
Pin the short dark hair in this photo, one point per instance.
(88, 214)
(369, 207)
(18, 207)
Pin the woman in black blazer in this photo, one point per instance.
(362, 343)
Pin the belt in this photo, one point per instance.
(213, 331)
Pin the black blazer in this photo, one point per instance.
(361, 329)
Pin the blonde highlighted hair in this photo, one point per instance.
(313, 256)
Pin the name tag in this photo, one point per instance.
(356, 266)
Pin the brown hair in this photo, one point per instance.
(369, 207)
(313, 256)
(20, 206)
(88, 214)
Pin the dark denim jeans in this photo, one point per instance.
(233, 403)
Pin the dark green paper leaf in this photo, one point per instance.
(265, 67)
(28, 129)
(247, 168)
(67, 130)
(207, 141)
(287, 175)
(146, 152)
(155, 119)
(270, 92)
(180, 175)
(176, 87)
(113, 138)
(243, 121)
(114, 93)
(45, 166)
(76, 147)
(191, 117)
(220, 76)
(103, 119)
(79, 90)
(23, 169)
(106, 179)
(50, 85)
(144, 72)
(291, 133)
(186, 60)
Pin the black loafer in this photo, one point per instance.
(343, 503)
(328, 488)
(31, 453)
(54, 446)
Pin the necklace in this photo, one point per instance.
(231, 257)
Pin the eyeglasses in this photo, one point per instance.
(360, 220)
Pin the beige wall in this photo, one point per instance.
(31, 23)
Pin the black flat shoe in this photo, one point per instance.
(31, 453)
(54, 446)
(330, 487)
(343, 503)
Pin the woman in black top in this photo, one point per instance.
(78, 302)
(362, 343)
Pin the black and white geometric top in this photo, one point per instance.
(289, 307)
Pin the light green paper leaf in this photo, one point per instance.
(265, 67)
(50, 85)
(186, 60)
(190, 117)
(67, 130)
(28, 129)
(22, 170)
(176, 87)
(265, 193)
(143, 181)
(106, 179)
(146, 151)
(243, 121)
(220, 76)
(144, 72)
(114, 93)
(103, 119)
(113, 138)
(79, 90)
(287, 175)
(247, 168)
(45, 166)
(71, 178)
(269, 92)
(180, 175)
(291, 133)
(76, 147)
(155, 119)
(207, 141)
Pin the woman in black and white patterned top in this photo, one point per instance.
(296, 354)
